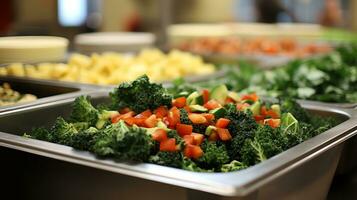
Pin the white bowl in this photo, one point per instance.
(32, 49)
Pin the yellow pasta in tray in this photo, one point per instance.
(114, 68)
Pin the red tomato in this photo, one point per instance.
(161, 112)
(242, 106)
(224, 134)
(173, 117)
(208, 116)
(184, 129)
(197, 118)
(192, 151)
(253, 97)
(189, 139)
(117, 118)
(212, 104)
(146, 113)
(168, 145)
(179, 102)
(159, 135)
(151, 121)
(197, 138)
(222, 123)
(274, 123)
(205, 95)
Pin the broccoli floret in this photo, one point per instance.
(214, 155)
(242, 126)
(291, 106)
(63, 131)
(104, 118)
(233, 166)
(196, 128)
(266, 143)
(124, 143)
(140, 95)
(172, 159)
(190, 165)
(83, 111)
(40, 134)
(85, 139)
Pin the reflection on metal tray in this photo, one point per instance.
(304, 171)
(44, 90)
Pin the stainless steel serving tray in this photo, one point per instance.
(304, 171)
(45, 90)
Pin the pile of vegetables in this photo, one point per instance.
(213, 130)
(329, 78)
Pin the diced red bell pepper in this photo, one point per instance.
(274, 123)
(117, 118)
(188, 109)
(208, 116)
(173, 117)
(192, 151)
(168, 145)
(242, 106)
(189, 139)
(271, 113)
(205, 95)
(179, 102)
(159, 135)
(151, 121)
(212, 104)
(161, 112)
(222, 123)
(146, 113)
(229, 100)
(253, 97)
(263, 111)
(213, 136)
(224, 134)
(197, 118)
(198, 138)
(259, 117)
(184, 129)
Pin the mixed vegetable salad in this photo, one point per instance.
(329, 78)
(204, 130)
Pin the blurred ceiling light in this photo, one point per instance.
(72, 12)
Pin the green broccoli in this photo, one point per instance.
(104, 117)
(242, 126)
(266, 143)
(190, 165)
(40, 133)
(291, 106)
(214, 155)
(140, 95)
(85, 139)
(63, 131)
(172, 159)
(234, 165)
(83, 111)
(124, 143)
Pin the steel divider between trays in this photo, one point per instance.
(229, 184)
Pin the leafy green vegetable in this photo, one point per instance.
(214, 155)
(123, 142)
(233, 166)
(172, 159)
(84, 111)
(140, 95)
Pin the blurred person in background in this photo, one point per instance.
(331, 14)
(272, 11)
